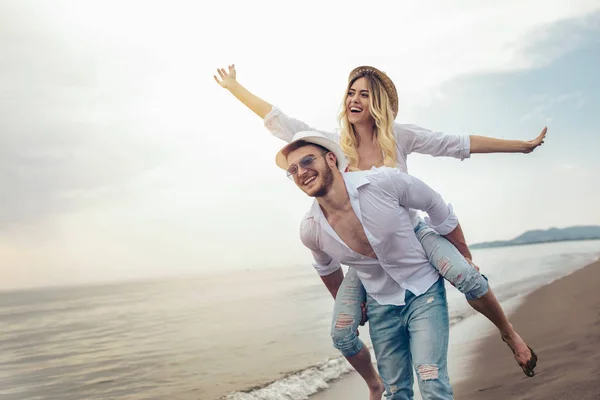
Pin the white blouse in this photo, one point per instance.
(409, 138)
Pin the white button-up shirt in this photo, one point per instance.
(380, 199)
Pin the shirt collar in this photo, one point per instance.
(357, 179)
(353, 181)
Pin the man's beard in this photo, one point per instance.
(327, 181)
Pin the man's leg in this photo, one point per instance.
(347, 314)
(455, 269)
(391, 345)
(428, 327)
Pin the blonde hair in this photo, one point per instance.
(381, 110)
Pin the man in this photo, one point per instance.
(359, 219)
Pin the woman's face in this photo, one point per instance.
(357, 102)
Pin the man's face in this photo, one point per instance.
(314, 175)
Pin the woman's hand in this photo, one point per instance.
(227, 80)
(531, 145)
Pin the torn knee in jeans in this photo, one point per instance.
(344, 321)
(428, 372)
(460, 281)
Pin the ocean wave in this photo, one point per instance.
(301, 384)
(298, 385)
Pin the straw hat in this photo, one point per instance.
(316, 138)
(387, 83)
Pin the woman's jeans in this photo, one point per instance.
(443, 256)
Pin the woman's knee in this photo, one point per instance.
(478, 288)
(345, 337)
(465, 278)
(344, 333)
(347, 315)
(456, 270)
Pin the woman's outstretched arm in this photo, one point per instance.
(484, 144)
(228, 81)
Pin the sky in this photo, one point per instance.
(121, 158)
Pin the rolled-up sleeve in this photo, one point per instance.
(285, 127)
(447, 225)
(413, 138)
(324, 264)
(282, 126)
(414, 193)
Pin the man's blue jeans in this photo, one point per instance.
(414, 335)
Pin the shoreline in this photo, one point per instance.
(561, 322)
(482, 367)
(483, 245)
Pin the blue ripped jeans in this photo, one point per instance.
(414, 335)
(442, 255)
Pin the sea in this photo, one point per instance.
(236, 335)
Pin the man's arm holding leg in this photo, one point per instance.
(333, 281)
(414, 193)
(457, 238)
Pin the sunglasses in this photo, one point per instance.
(305, 162)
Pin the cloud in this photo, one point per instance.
(547, 43)
(545, 106)
(117, 148)
(71, 119)
(493, 193)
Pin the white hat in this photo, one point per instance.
(316, 138)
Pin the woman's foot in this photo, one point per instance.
(525, 356)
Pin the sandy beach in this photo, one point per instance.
(560, 321)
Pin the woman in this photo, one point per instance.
(370, 137)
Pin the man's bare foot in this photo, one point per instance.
(376, 392)
(526, 358)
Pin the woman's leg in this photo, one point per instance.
(462, 275)
(347, 314)
(451, 264)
